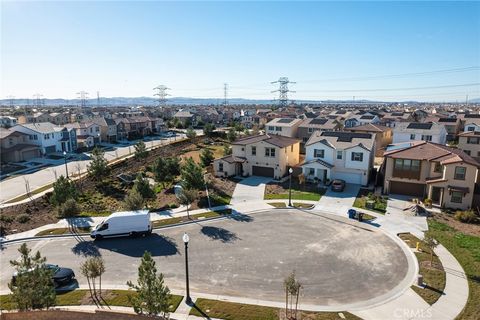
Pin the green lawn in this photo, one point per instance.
(435, 279)
(54, 231)
(295, 204)
(297, 195)
(238, 311)
(466, 249)
(198, 216)
(74, 298)
(379, 206)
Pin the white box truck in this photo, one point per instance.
(122, 224)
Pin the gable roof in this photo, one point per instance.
(432, 152)
(342, 139)
(42, 127)
(370, 127)
(276, 140)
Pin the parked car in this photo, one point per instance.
(60, 276)
(122, 224)
(169, 134)
(338, 185)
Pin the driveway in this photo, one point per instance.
(338, 202)
(249, 256)
(251, 189)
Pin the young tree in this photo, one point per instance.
(192, 175)
(98, 167)
(191, 134)
(227, 150)
(153, 295)
(142, 186)
(431, 243)
(186, 197)
(63, 189)
(166, 169)
(133, 201)
(140, 150)
(208, 130)
(99, 270)
(232, 135)
(33, 286)
(292, 291)
(206, 157)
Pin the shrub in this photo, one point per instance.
(68, 209)
(5, 219)
(23, 218)
(467, 216)
(133, 201)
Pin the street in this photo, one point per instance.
(249, 256)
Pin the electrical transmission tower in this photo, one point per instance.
(38, 100)
(11, 100)
(98, 98)
(162, 94)
(225, 94)
(283, 90)
(83, 96)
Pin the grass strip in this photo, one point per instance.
(57, 231)
(296, 195)
(193, 217)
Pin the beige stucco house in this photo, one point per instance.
(429, 170)
(469, 142)
(260, 155)
(286, 127)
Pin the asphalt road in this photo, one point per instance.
(336, 262)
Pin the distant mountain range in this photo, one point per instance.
(148, 101)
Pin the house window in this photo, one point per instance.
(270, 152)
(467, 151)
(478, 154)
(254, 151)
(310, 130)
(317, 153)
(278, 128)
(438, 167)
(472, 140)
(243, 149)
(456, 197)
(271, 128)
(311, 171)
(291, 148)
(220, 166)
(460, 173)
(412, 136)
(470, 129)
(339, 155)
(305, 139)
(427, 137)
(357, 156)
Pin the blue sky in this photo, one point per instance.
(127, 48)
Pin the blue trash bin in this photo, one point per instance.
(352, 213)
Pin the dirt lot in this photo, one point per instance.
(109, 198)
(467, 228)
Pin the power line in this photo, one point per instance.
(397, 89)
(283, 90)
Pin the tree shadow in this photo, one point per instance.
(157, 245)
(86, 249)
(221, 234)
(240, 217)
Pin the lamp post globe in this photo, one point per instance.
(65, 159)
(186, 239)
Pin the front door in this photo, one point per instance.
(436, 195)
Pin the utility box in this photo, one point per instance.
(420, 280)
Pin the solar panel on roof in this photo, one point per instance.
(318, 121)
(285, 120)
(474, 116)
(447, 120)
(341, 112)
(347, 135)
(367, 117)
(397, 114)
(423, 126)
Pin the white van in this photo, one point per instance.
(126, 223)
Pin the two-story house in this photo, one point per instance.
(309, 126)
(260, 155)
(429, 170)
(286, 127)
(108, 129)
(469, 142)
(426, 131)
(339, 155)
(48, 137)
(471, 122)
(7, 121)
(383, 135)
(15, 146)
(452, 125)
(361, 120)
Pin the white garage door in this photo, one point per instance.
(348, 177)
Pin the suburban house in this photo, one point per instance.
(472, 122)
(88, 133)
(426, 131)
(429, 170)
(360, 120)
(15, 146)
(49, 137)
(108, 129)
(309, 126)
(383, 135)
(260, 155)
(469, 142)
(185, 117)
(286, 127)
(339, 155)
(391, 119)
(452, 125)
(7, 121)
(59, 118)
(34, 118)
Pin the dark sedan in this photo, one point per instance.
(338, 185)
(60, 276)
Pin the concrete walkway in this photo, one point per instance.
(251, 189)
(333, 201)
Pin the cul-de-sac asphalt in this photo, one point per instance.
(338, 262)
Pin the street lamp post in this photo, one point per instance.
(206, 190)
(186, 238)
(65, 159)
(290, 171)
